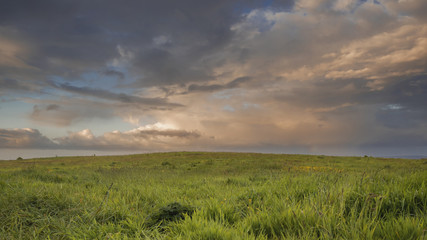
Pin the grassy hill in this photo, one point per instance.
(196, 195)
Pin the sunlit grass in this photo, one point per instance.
(192, 195)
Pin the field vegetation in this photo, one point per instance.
(196, 195)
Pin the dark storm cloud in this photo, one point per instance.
(396, 116)
(64, 38)
(217, 87)
(24, 138)
(160, 67)
(113, 73)
(70, 37)
(406, 104)
(14, 88)
(120, 97)
(410, 93)
(68, 111)
(397, 141)
(12, 84)
(393, 117)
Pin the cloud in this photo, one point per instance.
(411, 140)
(71, 110)
(169, 39)
(400, 52)
(24, 138)
(12, 84)
(340, 46)
(151, 137)
(161, 130)
(302, 74)
(162, 67)
(120, 97)
(217, 87)
(68, 111)
(10, 52)
(114, 73)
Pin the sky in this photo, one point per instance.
(335, 77)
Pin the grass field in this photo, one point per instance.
(194, 195)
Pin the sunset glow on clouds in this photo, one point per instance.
(306, 76)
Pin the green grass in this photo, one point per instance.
(194, 195)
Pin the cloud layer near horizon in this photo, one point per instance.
(339, 75)
(154, 136)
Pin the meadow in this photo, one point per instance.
(201, 195)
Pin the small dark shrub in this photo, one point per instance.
(19, 158)
(169, 213)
